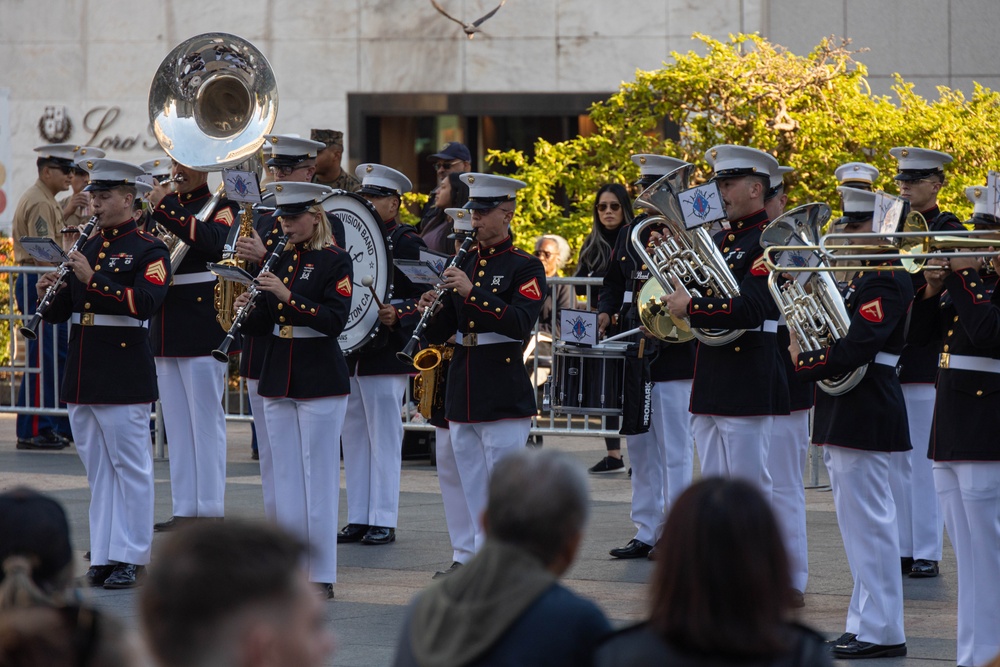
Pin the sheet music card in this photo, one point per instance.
(578, 327)
(701, 205)
(229, 272)
(241, 186)
(43, 249)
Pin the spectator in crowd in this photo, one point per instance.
(553, 250)
(232, 595)
(451, 193)
(612, 212)
(454, 158)
(506, 606)
(72, 636)
(35, 555)
(704, 611)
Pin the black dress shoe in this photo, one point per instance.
(905, 564)
(325, 591)
(924, 569)
(441, 574)
(173, 523)
(43, 441)
(845, 638)
(854, 649)
(352, 532)
(125, 575)
(96, 575)
(379, 535)
(634, 549)
(86, 556)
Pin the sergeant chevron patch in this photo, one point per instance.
(344, 286)
(531, 290)
(225, 216)
(872, 311)
(156, 272)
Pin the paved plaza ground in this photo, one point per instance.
(376, 583)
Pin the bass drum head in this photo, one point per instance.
(365, 242)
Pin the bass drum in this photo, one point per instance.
(372, 257)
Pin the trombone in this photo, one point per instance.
(911, 247)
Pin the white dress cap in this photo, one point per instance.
(293, 198)
(288, 150)
(731, 161)
(158, 167)
(918, 163)
(107, 174)
(859, 205)
(778, 176)
(857, 174)
(381, 181)
(984, 206)
(68, 154)
(488, 191)
(654, 167)
(461, 218)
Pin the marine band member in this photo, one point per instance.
(117, 282)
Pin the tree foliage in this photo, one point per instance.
(812, 112)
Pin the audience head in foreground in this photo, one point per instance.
(231, 595)
(506, 605)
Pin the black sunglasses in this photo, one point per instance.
(614, 206)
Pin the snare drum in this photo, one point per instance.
(588, 380)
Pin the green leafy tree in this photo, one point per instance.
(812, 112)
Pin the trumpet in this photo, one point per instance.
(406, 354)
(30, 330)
(222, 353)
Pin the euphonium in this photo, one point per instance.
(690, 255)
(814, 309)
(428, 388)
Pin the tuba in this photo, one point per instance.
(211, 101)
(689, 255)
(812, 306)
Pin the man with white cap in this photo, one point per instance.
(663, 457)
(859, 175)
(38, 214)
(858, 430)
(458, 517)
(738, 386)
(921, 177)
(490, 304)
(958, 311)
(156, 171)
(786, 458)
(183, 334)
(116, 282)
(76, 205)
(373, 430)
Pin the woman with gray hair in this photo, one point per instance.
(554, 251)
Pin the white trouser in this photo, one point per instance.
(191, 397)
(263, 448)
(867, 518)
(373, 449)
(911, 477)
(461, 524)
(477, 449)
(114, 444)
(786, 461)
(734, 447)
(306, 435)
(970, 502)
(661, 459)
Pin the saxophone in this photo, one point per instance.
(428, 388)
(226, 291)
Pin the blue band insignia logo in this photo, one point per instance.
(579, 327)
(701, 203)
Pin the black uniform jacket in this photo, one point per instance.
(626, 273)
(186, 325)
(964, 319)
(918, 363)
(801, 394)
(378, 357)
(112, 364)
(321, 285)
(489, 382)
(872, 416)
(744, 377)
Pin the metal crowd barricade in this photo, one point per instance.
(237, 404)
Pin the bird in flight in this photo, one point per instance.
(470, 29)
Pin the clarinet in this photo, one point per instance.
(406, 354)
(222, 354)
(30, 330)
